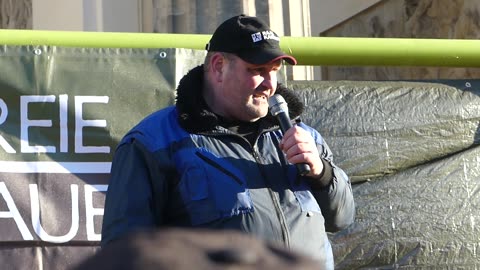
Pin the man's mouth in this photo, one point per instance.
(262, 96)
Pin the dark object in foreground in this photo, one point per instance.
(179, 249)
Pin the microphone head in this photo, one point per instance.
(277, 104)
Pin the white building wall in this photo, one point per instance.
(325, 14)
(328, 13)
(57, 15)
(86, 15)
(306, 18)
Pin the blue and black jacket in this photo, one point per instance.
(180, 167)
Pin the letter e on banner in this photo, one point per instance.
(80, 123)
(91, 212)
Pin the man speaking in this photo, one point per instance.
(218, 158)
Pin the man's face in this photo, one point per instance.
(244, 89)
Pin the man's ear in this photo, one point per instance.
(218, 63)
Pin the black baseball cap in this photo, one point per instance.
(250, 39)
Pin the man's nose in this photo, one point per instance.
(270, 81)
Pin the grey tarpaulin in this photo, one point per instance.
(411, 150)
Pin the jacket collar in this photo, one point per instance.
(195, 116)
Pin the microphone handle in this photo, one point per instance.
(285, 124)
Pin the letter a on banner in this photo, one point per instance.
(37, 226)
(13, 212)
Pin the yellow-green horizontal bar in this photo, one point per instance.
(102, 39)
(321, 51)
(384, 51)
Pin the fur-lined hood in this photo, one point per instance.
(194, 114)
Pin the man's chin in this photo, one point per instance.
(253, 120)
(257, 117)
(253, 113)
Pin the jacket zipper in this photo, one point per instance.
(276, 203)
(275, 200)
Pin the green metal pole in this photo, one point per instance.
(102, 39)
(384, 51)
(321, 51)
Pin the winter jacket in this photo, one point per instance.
(179, 167)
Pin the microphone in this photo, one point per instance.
(279, 108)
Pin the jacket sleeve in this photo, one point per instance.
(129, 203)
(336, 198)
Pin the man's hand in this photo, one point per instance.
(300, 147)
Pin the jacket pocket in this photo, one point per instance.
(302, 192)
(211, 187)
(307, 201)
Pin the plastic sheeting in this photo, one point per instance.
(411, 150)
